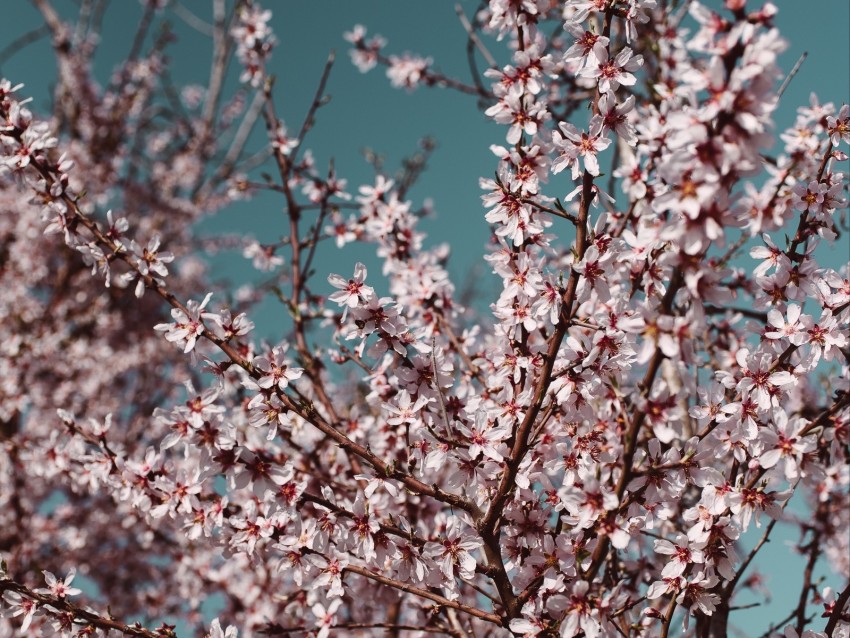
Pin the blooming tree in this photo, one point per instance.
(603, 452)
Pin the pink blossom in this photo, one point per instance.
(574, 145)
(616, 72)
(59, 588)
(352, 292)
(276, 369)
(187, 325)
(682, 554)
(217, 632)
(838, 126)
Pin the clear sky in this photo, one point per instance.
(366, 112)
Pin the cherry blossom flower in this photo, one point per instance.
(325, 616)
(593, 267)
(682, 554)
(187, 325)
(825, 337)
(409, 564)
(714, 407)
(263, 257)
(281, 141)
(352, 292)
(150, 261)
(407, 71)
(405, 410)
(59, 588)
(698, 594)
(810, 196)
(748, 502)
(785, 445)
(838, 126)
(579, 611)
(522, 116)
(330, 574)
(21, 606)
(365, 54)
(665, 586)
(527, 627)
(758, 379)
(772, 256)
(485, 438)
(790, 328)
(526, 77)
(614, 117)
(588, 48)
(616, 72)
(454, 552)
(225, 326)
(573, 145)
(217, 632)
(276, 369)
(364, 528)
(255, 41)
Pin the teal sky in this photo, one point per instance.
(366, 112)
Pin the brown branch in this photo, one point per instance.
(83, 616)
(826, 415)
(747, 312)
(341, 511)
(551, 211)
(730, 586)
(424, 593)
(631, 439)
(801, 235)
(192, 20)
(488, 526)
(668, 618)
(474, 370)
(520, 443)
(814, 550)
(277, 630)
(53, 21)
(837, 611)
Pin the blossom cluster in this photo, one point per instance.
(602, 451)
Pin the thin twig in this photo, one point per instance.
(318, 100)
(192, 20)
(474, 37)
(438, 388)
(791, 74)
(551, 211)
(776, 625)
(233, 154)
(423, 593)
(141, 32)
(84, 616)
(814, 550)
(18, 44)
